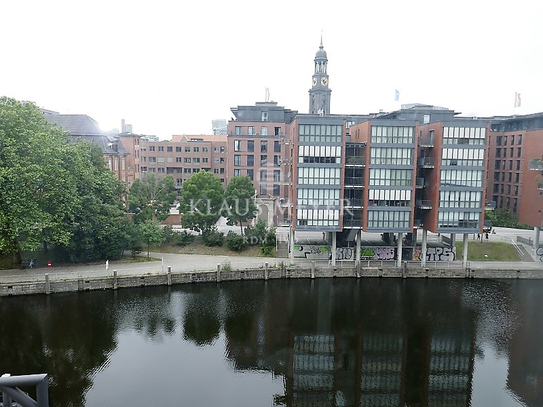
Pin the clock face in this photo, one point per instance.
(324, 81)
(314, 81)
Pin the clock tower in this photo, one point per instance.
(319, 94)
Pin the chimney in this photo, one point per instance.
(123, 129)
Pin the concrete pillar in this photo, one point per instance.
(465, 251)
(291, 244)
(358, 247)
(47, 284)
(115, 282)
(424, 247)
(400, 244)
(266, 271)
(333, 248)
(536, 238)
(313, 266)
(453, 239)
(415, 233)
(218, 273)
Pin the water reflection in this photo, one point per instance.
(382, 342)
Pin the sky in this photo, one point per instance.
(171, 67)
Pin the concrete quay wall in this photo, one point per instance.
(112, 282)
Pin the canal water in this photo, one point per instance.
(327, 342)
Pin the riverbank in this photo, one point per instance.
(186, 269)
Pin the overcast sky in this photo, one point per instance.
(171, 67)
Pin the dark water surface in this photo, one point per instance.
(328, 342)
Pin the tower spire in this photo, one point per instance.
(319, 94)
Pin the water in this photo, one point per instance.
(329, 342)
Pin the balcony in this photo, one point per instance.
(426, 141)
(426, 162)
(419, 183)
(540, 186)
(353, 203)
(536, 165)
(424, 203)
(353, 161)
(354, 182)
(352, 223)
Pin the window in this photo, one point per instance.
(238, 130)
(204, 149)
(263, 189)
(517, 177)
(215, 171)
(277, 131)
(196, 160)
(237, 173)
(499, 140)
(277, 146)
(188, 170)
(276, 159)
(196, 149)
(519, 152)
(177, 149)
(169, 149)
(264, 116)
(251, 174)
(160, 148)
(498, 152)
(263, 175)
(205, 160)
(250, 145)
(222, 149)
(264, 146)
(187, 159)
(512, 139)
(237, 160)
(151, 148)
(187, 149)
(221, 160)
(519, 139)
(250, 130)
(216, 149)
(237, 145)
(160, 170)
(276, 190)
(264, 130)
(276, 175)
(250, 161)
(221, 170)
(178, 159)
(152, 159)
(263, 160)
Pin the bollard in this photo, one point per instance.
(115, 282)
(47, 284)
(358, 268)
(404, 269)
(266, 271)
(313, 265)
(218, 273)
(169, 277)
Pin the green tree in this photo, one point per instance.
(152, 197)
(38, 195)
(240, 201)
(151, 233)
(201, 202)
(100, 228)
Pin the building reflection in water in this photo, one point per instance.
(338, 344)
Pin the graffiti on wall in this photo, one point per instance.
(312, 251)
(436, 254)
(345, 253)
(378, 253)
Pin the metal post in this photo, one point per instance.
(47, 284)
(358, 248)
(169, 277)
(465, 251)
(313, 265)
(334, 243)
(424, 247)
(115, 282)
(536, 238)
(218, 273)
(400, 243)
(291, 244)
(266, 271)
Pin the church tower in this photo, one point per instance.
(319, 94)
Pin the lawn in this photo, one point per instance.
(488, 251)
(198, 247)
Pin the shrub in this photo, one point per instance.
(213, 238)
(234, 241)
(184, 238)
(267, 251)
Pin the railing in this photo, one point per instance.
(424, 203)
(426, 141)
(419, 183)
(349, 202)
(536, 165)
(354, 181)
(9, 386)
(352, 160)
(427, 162)
(352, 223)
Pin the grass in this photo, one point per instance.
(488, 251)
(198, 247)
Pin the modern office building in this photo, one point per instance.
(515, 167)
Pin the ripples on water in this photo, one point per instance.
(338, 342)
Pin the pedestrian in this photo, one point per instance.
(486, 236)
(478, 236)
(107, 265)
(31, 264)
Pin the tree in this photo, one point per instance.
(152, 197)
(151, 233)
(38, 195)
(240, 201)
(201, 202)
